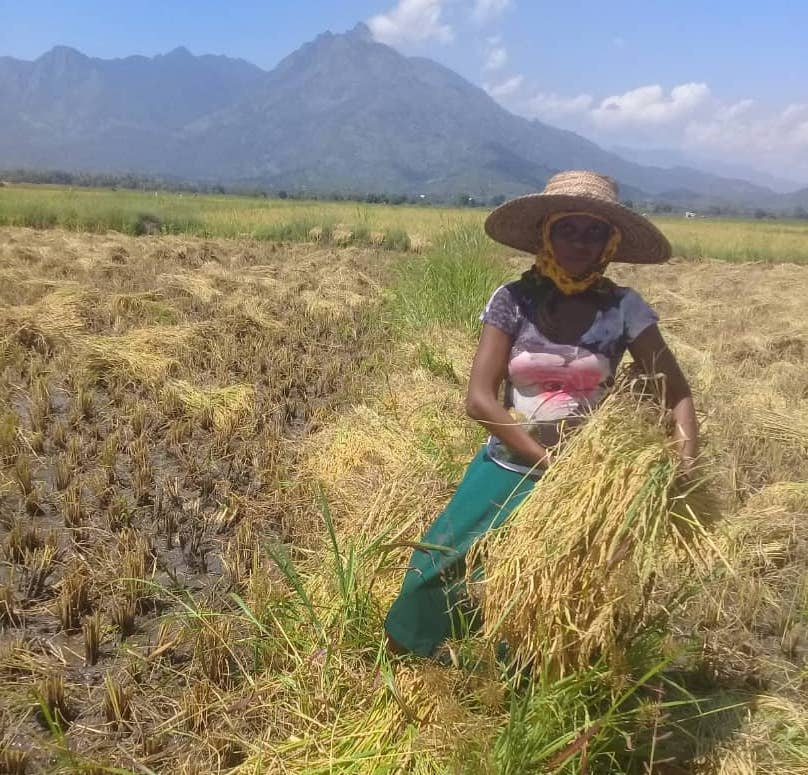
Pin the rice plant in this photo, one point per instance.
(451, 285)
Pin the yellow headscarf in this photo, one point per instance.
(548, 265)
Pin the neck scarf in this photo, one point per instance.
(548, 265)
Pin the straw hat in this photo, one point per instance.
(517, 223)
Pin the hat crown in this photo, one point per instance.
(583, 183)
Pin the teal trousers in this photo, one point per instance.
(432, 604)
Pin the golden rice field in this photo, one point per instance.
(215, 454)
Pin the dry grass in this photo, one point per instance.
(153, 401)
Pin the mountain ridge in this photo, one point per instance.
(343, 112)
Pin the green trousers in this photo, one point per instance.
(432, 604)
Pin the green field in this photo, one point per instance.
(396, 227)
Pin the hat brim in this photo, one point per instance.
(518, 224)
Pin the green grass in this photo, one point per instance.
(138, 212)
(451, 285)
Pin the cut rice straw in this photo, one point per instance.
(220, 406)
(569, 577)
(148, 355)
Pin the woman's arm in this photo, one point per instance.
(482, 401)
(654, 356)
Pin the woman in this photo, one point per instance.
(555, 338)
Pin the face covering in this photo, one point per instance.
(549, 267)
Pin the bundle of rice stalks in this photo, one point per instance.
(141, 308)
(359, 741)
(148, 355)
(192, 285)
(569, 576)
(366, 719)
(341, 235)
(449, 703)
(219, 407)
(60, 310)
(44, 325)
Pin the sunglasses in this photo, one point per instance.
(590, 234)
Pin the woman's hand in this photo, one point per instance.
(654, 357)
(685, 471)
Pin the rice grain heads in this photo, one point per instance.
(569, 577)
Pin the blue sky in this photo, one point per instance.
(720, 80)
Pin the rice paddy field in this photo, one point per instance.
(218, 447)
(395, 227)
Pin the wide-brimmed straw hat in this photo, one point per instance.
(518, 223)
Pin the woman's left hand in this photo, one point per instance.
(685, 470)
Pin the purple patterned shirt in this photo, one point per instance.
(550, 385)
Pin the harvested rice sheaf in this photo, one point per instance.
(148, 355)
(218, 406)
(569, 576)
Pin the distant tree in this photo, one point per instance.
(496, 201)
(760, 214)
(628, 203)
(801, 212)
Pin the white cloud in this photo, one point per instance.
(750, 132)
(496, 58)
(505, 88)
(649, 105)
(496, 55)
(554, 107)
(689, 117)
(411, 21)
(486, 10)
(735, 109)
(647, 108)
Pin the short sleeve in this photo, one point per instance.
(502, 312)
(637, 314)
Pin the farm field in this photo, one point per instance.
(215, 452)
(395, 227)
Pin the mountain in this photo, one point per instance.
(671, 157)
(342, 113)
(70, 111)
